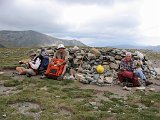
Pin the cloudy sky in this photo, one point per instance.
(93, 22)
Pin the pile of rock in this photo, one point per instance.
(83, 63)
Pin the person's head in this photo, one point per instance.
(32, 54)
(43, 52)
(60, 47)
(128, 56)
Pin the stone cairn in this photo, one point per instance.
(83, 62)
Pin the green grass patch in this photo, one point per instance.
(5, 77)
(12, 83)
(107, 93)
(75, 92)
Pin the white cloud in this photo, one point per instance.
(93, 22)
(149, 28)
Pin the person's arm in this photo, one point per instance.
(65, 60)
(36, 64)
(133, 67)
(54, 57)
(122, 65)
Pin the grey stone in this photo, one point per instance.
(108, 74)
(75, 48)
(119, 53)
(136, 57)
(112, 59)
(93, 103)
(79, 57)
(118, 61)
(84, 81)
(157, 71)
(1, 73)
(118, 57)
(91, 56)
(108, 80)
(89, 79)
(72, 72)
(106, 67)
(105, 63)
(152, 89)
(79, 69)
(79, 76)
(82, 52)
(96, 52)
(114, 66)
(79, 62)
(101, 57)
(100, 81)
(85, 71)
(92, 61)
(96, 76)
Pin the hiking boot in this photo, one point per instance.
(15, 73)
(42, 76)
(60, 77)
(148, 83)
(126, 88)
(28, 75)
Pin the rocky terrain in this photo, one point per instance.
(84, 94)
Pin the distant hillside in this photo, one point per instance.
(32, 39)
(155, 48)
(1, 46)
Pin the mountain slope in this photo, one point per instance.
(31, 39)
(155, 48)
(1, 46)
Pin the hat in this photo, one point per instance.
(60, 46)
(32, 53)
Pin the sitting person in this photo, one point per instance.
(129, 70)
(58, 65)
(61, 53)
(32, 65)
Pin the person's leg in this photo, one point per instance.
(140, 74)
(30, 72)
(120, 77)
(63, 72)
(21, 70)
(64, 69)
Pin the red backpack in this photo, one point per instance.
(128, 77)
(54, 71)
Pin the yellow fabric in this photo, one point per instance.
(100, 69)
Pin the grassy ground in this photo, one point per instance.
(65, 100)
(9, 57)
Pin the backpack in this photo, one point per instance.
(128, 79)
(54, 71)
(44, 63)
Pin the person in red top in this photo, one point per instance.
(129, 70)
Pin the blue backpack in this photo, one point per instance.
(44, 62)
